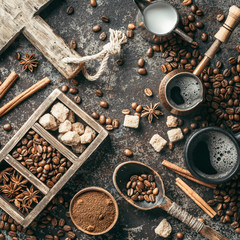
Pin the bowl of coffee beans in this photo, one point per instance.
(94, 211)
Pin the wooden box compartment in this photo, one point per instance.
(77, 161)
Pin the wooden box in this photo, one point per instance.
(77, 161)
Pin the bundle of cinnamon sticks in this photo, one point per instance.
(22, 96)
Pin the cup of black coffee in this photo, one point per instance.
(212, 155)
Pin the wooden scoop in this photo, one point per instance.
(121, 176)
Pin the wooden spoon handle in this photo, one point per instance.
(221, 36)
(176, 211)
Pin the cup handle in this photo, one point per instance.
(183, 35)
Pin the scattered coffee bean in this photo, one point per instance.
(179, 235)
(191, 17)
(17, 56)
(185, 131)
(126, 111)
(108, 121)
(220, 17)
(149, 53)
(70, 10)
(73, 90)
(138, 109)
(103, 36)
(77, 99)
(105, 19)
(170, 145)
(199, 25)
(148, 92)
(64, 88)
(194, 8)
(74, 82)
(119, 62)
(7, 127)
(102, 119)
(73, 44)
(199, 12)
(93, 3)
(142, 71)
(187, 2)
(129, 33)
(96, 28)
(99, 93)
(95, 115)
(204, 37)
(115, 123)
(127, 152)
(131, 26)
(109, 127)
(103, 104)
(140, 62)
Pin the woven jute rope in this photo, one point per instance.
(112, 48)
(177, 212)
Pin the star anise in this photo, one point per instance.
(29, 62)
(4, 175)
(24, 206)
(30, 195)
(18, 180)
(151, 111)
(10, 190)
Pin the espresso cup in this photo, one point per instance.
(212, 155)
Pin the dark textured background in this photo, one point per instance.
(121, 86)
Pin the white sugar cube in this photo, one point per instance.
(78, 127)
(131, 121)
(60, 112)
(157, 142)
(71, 138)
(48, 121)
(172, 121)
(65, 127)
(164, 228)
(175, 134)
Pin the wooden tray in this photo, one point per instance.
(77, 161)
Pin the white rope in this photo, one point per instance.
(112, 48)
(177, 212)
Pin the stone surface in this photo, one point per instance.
(121, 86)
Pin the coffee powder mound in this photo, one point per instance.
(93, 211)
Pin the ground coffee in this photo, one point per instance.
(93, 211)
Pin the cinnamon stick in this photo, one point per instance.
(22, 96)
(8, 83)
(185, 173)
(195, 197)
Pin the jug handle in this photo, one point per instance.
(182, 34)
(221, 36)
(142, 4)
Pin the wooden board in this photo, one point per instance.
(77, 161)
(17, 16)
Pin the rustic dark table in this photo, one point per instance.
(121, 86)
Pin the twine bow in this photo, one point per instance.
(112, 48)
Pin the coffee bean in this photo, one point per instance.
(148, 92)
(96, 28)
(199, 12)
(187, 2)
(109, 127)
(163, 68)
(131, 26)
(191, 17)
(232, 60)
(77, 99)
(103, 36)
(142, 71)
(185, 21)
(73, 90)
(149, 53)
(64, 88)
(170, 145)
(119, 62)
(93, 3)
(204, 37)
(129, 33)
(99, 93)
(126, 111)
(140, 62)
(193, 125)
(73, 44)
(102, 119)
(185, 131)
(71, 234)
(138, 108)
(115, 123)
(7, 127)
(199, 25)
(105, 19)
(17, 56)
(179, 235)
(127, 152)
(220, 17)
(194, 8)
(235, 225)
(70, 10)
(103, 104)
(156, 48)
